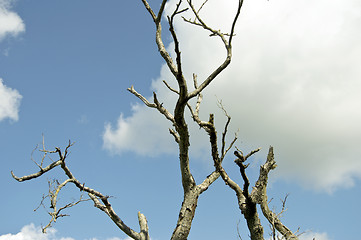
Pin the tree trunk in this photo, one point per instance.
(186, 215)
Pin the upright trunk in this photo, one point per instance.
(253, 222)
(186, 215)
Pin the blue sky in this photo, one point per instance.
(294, 83)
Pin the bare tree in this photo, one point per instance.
(247, 201)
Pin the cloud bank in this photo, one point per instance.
(10, 22)
(293, 83)
(9, 102)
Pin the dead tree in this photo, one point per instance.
(191, 190)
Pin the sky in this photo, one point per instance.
(293, 83)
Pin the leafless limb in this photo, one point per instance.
(247, 201)
(238, 234)
(259, 195)
(155, 105)
(273, 233)
(170, 88)
(200, 8)
(54, 190)
(200, 95)
(37, 174)
(175, 135)
(227, 44)
(162, 50)
(224, 134)
(55, 187)
(182, 84)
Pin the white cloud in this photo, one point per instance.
(141, 140)
(116, 238)
(9, 102)
(10, 22)
(113, 238)
(293, 83)
(314, 236)
(30, 232)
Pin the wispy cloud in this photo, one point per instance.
(9, 102)
(10, 22)
(294, 83)
(83, 119)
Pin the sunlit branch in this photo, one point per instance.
(155, 105)
(162, 50)
(226, 43)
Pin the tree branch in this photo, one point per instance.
(208, 181)
(37, 174)
(242, 168)
(155, 105)
(246, 203)
(149, 9)
(259, 195)
(93, 194)
(170, 88)
(226, 43)
(53, 196)
(161, 48)
(240, 4)
(179, 76)
(224, 134)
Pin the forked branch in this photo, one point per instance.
(259, 195)
(54, 190)
(55, 187)
(227, 45)
(162, 50)
(248, 201)
(156, 104)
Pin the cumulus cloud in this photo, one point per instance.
(9, 102)
(144, 140)
(30, 232)
(293, 83)
(10, 22)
